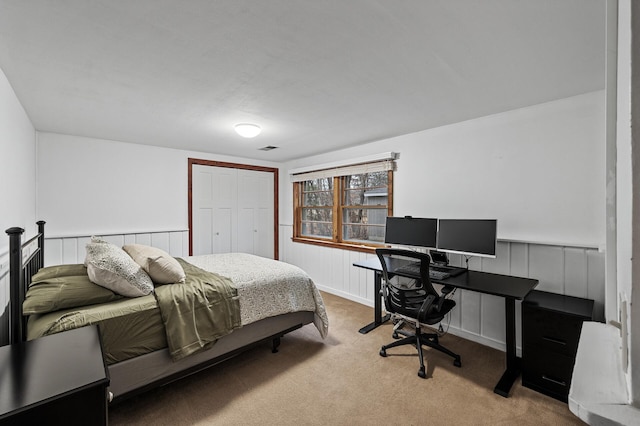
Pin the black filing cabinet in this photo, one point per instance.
(54, 380)
(551, 325)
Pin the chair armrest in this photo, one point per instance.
(426, 305)
(443, 294)
(447, 289)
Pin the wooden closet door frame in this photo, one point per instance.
(201, 162)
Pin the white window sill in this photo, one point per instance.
(599, 394)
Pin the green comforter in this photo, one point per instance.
(194, 314)
(197, 312)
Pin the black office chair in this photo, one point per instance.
(409, 296)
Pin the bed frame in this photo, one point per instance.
(20, 273)
(144, 372)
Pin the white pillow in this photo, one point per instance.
(95, 239)
(110, 267)
(160, 265)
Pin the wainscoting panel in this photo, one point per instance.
(518, 259)
(492, 317)
(595, 280)
(72, 249)
(470, 308)
(138, 239)
(546, 263)
(574, 271)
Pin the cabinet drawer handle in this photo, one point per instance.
(552, 340)
(557, 382)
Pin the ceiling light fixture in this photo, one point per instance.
(247, 130)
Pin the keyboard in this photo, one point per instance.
(453, 271)
(414, 269)
(438, 275)
(410, 268)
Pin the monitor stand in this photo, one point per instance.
(440, 262)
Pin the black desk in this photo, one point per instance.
(509, 287)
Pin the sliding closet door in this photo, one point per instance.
(232, 211)
(255, 212)
(214, 197)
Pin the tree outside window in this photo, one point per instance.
(317, 208)
(349, 211)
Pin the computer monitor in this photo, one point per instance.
(475, 237)
(411, 231)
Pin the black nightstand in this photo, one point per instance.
(551, 325)
(58, 379)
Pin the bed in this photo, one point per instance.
(266, 300)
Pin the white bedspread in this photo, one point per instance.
(267, 287)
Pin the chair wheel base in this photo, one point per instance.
(395, 335)
(421, 373)
(457, 363)
(383, 353)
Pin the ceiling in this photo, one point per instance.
(316, 75)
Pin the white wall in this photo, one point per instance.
(95, 186)
(17, 183)
(624, 192)
(538, 170)
(626, 288)
(17, 165)
(630, 17)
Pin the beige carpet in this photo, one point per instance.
(343, 381)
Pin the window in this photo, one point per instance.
(317, 208)
(365, 205)
(344, 207)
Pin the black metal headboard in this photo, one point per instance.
(20, 273)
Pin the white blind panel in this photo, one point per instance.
(355, 169)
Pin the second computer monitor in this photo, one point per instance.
(475, 237)
(411, 231)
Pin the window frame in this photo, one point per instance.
(336, 241)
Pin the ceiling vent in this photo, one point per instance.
(268, 148)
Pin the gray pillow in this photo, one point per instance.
(111, 267)
(160, 265)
